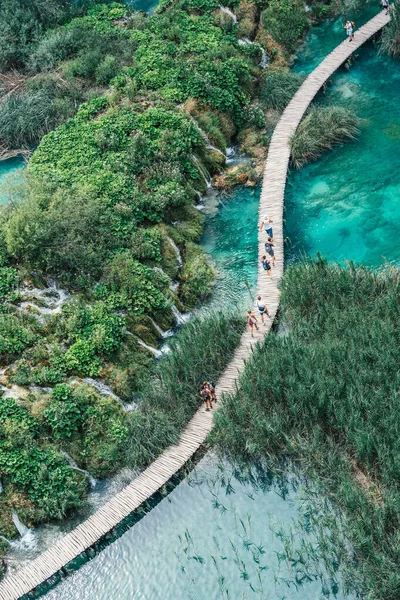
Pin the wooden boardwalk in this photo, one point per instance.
(163, 468)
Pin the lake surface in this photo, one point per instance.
(223, 533)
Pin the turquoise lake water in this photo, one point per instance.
(216, 536)
(6, 167)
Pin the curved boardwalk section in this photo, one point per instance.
(161, 470)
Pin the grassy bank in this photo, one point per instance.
(325, 394)
(38, 482)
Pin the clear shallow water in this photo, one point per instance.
(346, 206)
(6, 167)
(214, 534)
(230, 237)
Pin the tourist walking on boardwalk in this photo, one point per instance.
(269, 249)
(349, 27)
(266, 265)
(262, 309)
(385, 6)
(205, 393)
(252, 321)
(211, 387)
(266, 224)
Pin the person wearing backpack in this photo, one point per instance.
(349, 27)
(266, 265)
(385, 6)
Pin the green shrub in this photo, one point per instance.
(285, 21)
(197, 276)
(15, 336)
(321, 129)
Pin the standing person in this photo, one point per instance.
(252, 321)
(266, 265)
(206, 395)
(269, 249)
(263, 310)
(385, 6)
(266, 224)
(211, 387)
(349, 27)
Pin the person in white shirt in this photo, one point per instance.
(263, 310)
(266, 224)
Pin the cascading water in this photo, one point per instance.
(180, 319)
(177, 251)
(1, 487)
(164, 334)
(52, 297)
(264, 62)
(157, 353)
(203, 171)
(227, 11)
(105, 390)
(27, 540)
(73, 464)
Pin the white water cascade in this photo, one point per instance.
(51, 297)
(227, 11)
(73, 464)
(27, 540)
(157, 353)
(1, 487)
(180, 319)
(204, 173)
(244, 42)
(105, 390)
(264, 62)
(177, 251)
(164, 334)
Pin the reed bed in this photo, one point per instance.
(322, 128)
(326, 394)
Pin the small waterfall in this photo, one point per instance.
(244, 42)
(174, 285)
(211, 147)
(264, 62)
(41, 390)
(157, 353)
(53, 296)
(177, 251)
(203, 172)
(164, 334)
(180, 319)
(105, 390)
(73, 464)
(1, 487)
(227, 11)
(27, 540)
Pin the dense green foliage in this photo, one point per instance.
(326, 394)
(322, 128)
(95, 431)
(285, 21)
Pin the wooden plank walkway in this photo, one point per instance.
(163, 468)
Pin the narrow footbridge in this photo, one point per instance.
(16, 584)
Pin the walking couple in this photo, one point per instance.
(252, 319)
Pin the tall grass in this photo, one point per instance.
(390, 40)
(278, 87)
(25, 118)
(322, 128)
(327, 395)
(170, 396)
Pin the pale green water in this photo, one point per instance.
(216, 534)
